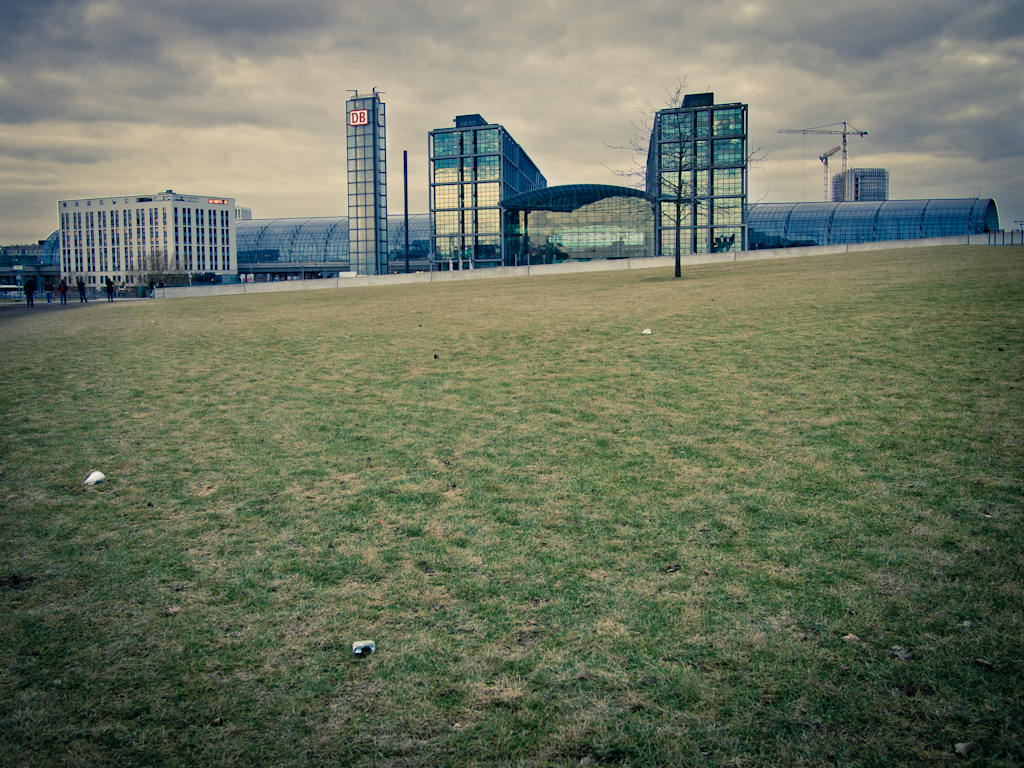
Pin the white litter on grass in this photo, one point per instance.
(95, 477)
(364, 647)
(647, 332)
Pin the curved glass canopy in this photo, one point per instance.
(321, 240)
(788, 225)
(568, 197)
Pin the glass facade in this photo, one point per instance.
(789, 225)
(861, 185)
(367, 184)
(474, 166)
(578, 222)
(320, 244)
(697, 172)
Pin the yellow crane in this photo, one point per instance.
(824, 158)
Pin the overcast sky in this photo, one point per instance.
(246, 98)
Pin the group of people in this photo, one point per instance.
(31, 286)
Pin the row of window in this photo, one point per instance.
(702, 212)
(480, 141)
(450, 196)
(467, 221)
(449, 170)
(696, 123)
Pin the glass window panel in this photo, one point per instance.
(701, 124)
(446, 144)
(446, 196)
(487, 167)
(487, 220)
(703, 153)
(728, 122)
(487, 140)
(728, 181)
(728, 210)
(446, 171)
(728, 152)
(487, 194)
(446, 222)
(668, 215)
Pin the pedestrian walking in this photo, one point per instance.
(110, 289)
(81, 291)
(152, 289)
(62, 289)
(48, 287)
(30, 291)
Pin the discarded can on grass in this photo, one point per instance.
(364, 647)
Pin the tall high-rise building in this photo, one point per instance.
(474, 166)
(127, 237)
(367, 184)
(861, 185)
(697, 175)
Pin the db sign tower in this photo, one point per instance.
(367, 184)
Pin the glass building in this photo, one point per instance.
(789, 225)
(367, 184)
(474, 166)
(861, 185)
(577, 222)
(697, 172)
(319, 247)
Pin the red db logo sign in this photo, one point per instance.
(359, 117)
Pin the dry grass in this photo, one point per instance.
(573, 544)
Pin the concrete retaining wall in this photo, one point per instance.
(358, 281)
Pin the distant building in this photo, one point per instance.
(861, 185)
(19, 262)
(473, 167)
(697, 174)
(118, 237)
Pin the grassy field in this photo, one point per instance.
(786, 528)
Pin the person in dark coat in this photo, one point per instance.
(62, 289)
(30, 291)
(81, 291)
(110, 289)
(48, 287)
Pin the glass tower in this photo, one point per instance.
(367, 184)
(861, 185)
(697, 173)
(474, 166)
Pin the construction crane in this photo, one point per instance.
(824, 158)
(847, 130)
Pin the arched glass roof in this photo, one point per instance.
(50, 257)
(786, 225)
(567, 197)
(315, 240)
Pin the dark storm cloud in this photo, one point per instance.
(250, 94)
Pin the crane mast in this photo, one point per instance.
(824, 158)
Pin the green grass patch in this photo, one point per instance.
(573, 544)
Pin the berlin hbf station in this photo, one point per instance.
(491, 206)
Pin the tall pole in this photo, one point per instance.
(405, 176)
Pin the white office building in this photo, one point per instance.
(124, 238)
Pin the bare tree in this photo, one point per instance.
(157, 267)
(664, 167)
